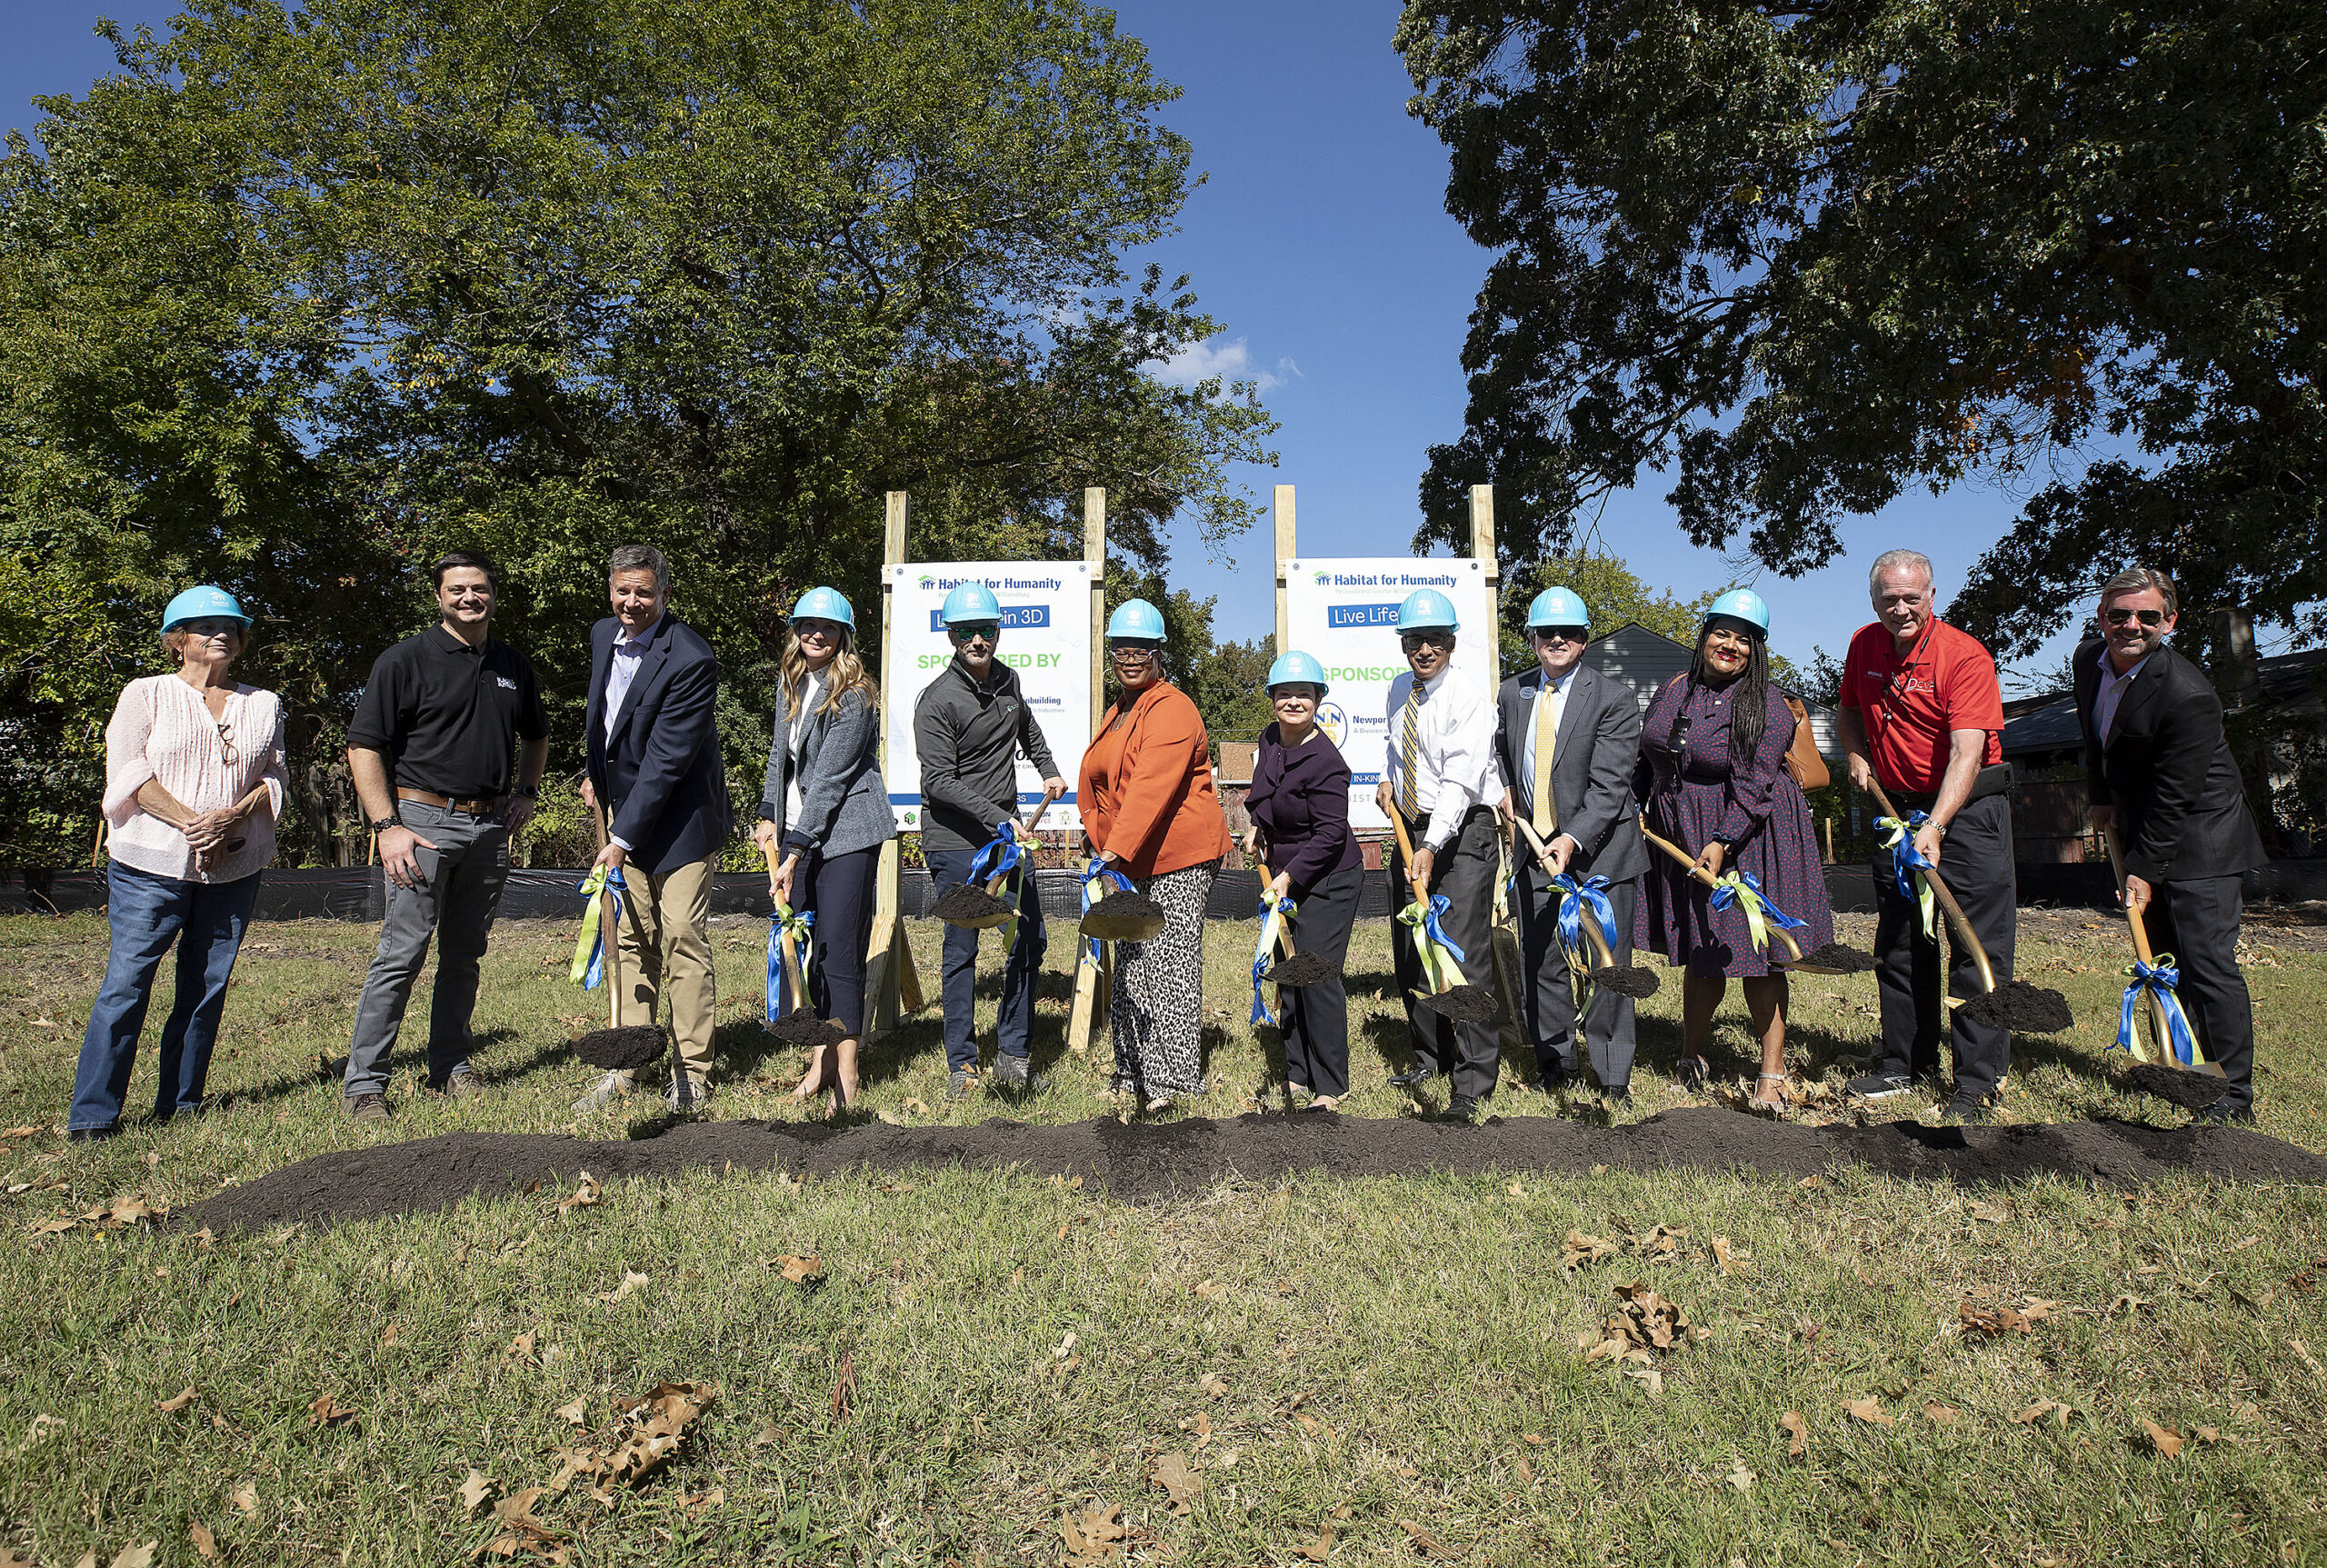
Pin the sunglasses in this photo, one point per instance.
(2119, 616)
(1411, 641)
(973, 631)
(1563, 634)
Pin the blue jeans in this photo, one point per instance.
(950, 868)
(147, 913)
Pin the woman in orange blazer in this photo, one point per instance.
(1151, 813)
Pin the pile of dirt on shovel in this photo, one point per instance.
(1843, 960)
(1301, 969)
(622, 1050)
(2179, 1086)
(962, 902)
(1123, 904)
(802, 1027)
(1628, 980)
(1462, 1004)
(2021, 1007)
(1144, 1162)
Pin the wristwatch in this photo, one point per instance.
(526, 793)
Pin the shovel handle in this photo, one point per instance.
(609, 938)
(1697, 873)
(1406, 852)
(2158, 1027)
(1604, 957)
(794, 973)
(1283, 937)
(1953, 910)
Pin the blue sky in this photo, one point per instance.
(1320, 240)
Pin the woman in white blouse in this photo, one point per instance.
(193, 780)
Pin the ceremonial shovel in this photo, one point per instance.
(2164, 1077)
(615, 1047)
(1461, 1001)
(1698, 873)
(801, 1026)
(1623, 979)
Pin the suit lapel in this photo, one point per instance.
(602, 664)
(650, 669)
(2140, 697)
(1572, 715)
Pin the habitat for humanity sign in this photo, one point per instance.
(1045, 637)
(1345, 614)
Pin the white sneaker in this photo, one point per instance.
(603, 1093)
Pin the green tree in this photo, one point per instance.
(1231, 688)
(301, 298)
(1811, 254)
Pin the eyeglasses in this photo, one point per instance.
(1132, 652)
(2119, 616)
(227, 753)
(828, 630)
(1563, 634)
(1414, 641)
(972, 630)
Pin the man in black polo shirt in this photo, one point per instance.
(430, 753)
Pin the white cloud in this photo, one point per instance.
(1228, 361)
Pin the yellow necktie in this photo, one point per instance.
(1547, 816)
(1410, 752)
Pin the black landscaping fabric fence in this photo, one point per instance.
(358, 892)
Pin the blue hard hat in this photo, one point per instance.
(969, 602)
(1137, 618)
(1294, 668)
(825, 604)
(1427, 608)
(1558, 607)
(1743, 605)
(203, 604)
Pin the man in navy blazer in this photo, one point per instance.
(653, 741)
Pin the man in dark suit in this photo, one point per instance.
(1566, 739)
(654, 762)
(2165, 782)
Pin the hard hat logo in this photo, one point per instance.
(1743, 605)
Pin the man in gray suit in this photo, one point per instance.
(1566, 738)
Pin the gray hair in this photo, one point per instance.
(2138, 579)
(640, 558)
(1890, 558)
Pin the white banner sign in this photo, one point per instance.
(1345, 614)
(1045, 637)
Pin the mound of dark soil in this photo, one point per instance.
(639, 1046)
(1145, 1162)
(1628, 981)
(2189, 1090)
(1462, 1004)
(1843, 960)
(802, 1027)
(962, 902)
(2018, 1005)
(1124, 906)
(1301, 969)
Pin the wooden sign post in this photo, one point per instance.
(1091, 980)
(891, 978)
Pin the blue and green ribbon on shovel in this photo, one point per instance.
(1274, 911)
(1906, 859)
(1742, 890)
(2158, 978)
(1432, 945)
(590, 948)
(784, 921)
(1003, 855)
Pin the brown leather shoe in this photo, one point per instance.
(365, 1107)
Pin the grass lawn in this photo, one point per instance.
(1335, 1371)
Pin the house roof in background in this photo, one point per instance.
(2289, 682)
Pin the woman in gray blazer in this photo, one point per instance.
(826, 807)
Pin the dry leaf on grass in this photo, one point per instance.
(1869, 1410)
(1941, 1415)
(1210, 1290)
(1990, 1214)
(2165, 1440)
(522, 1347)
(585, 1195)
(1728, 1254)
(1647, 1323)
(476, 1490)
(1212, 1384)
(140, 1555)
(2041, 1409)
(572, 1414)
(1741, 1478)
(178, 1404)
(1097, 1537)
(801, 1269)
(205, 1544)
(326, 1411)
(523, 1530)
(918, 1107)
(1649, 1378)
(1426, 1543)
(641, 1439)
(1797, 1433)
(1317, 1551)
(245, 1500)
(1581, 1249)
(1171, 1473)
(630, 1283)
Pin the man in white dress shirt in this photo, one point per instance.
(1438, 777)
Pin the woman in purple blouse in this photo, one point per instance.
(1299, 803)
(1711, 779)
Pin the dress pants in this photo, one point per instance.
(838, 891)
(460, 891)
(2197, 922)
(1464, 872)
(667, 941)
(1547, 1005)
(1315, 1018)
(1976, 861)
(1021, 970)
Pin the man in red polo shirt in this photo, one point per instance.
(1921, 712)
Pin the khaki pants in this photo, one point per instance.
(669, 916)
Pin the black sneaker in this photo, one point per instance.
(1414, 1079)
(1015, 1075)
(1622, 1095)
(1881, 1085)
(98, 1135)
(962, 1083)
(2227, 1111)
(1461, 1108)
(1971, 1110)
